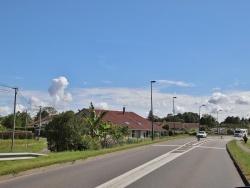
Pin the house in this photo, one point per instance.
(139, 126)
(44, 121)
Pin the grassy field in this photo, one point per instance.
(14, 167)
(24, 145)
(242, 158)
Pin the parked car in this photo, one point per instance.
(201, 134)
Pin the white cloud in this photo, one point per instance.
(6, 110)
(56, 91)
(101, 106)
(217, 89)
(218, 98)
(106, 82)
(177, 83)
(35, 103)
(136, 100)
(180, 109)
(243, 100)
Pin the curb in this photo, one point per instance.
(18, 156)
(243, 177)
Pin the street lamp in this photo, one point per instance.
(218, 121)
(152, 116)
(200, 115)
(174, 114)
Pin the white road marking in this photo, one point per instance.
(166, 145)
(211, 147)
(136, 173)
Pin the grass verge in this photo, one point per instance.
(14, 167)
(24, 145)
(241, 157)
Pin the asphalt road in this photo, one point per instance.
(178, 163)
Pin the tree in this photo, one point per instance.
(22, 118)
(64, 132)
(190, 117)
(93, 121)
(155, 119)
(105, 129)
(208, 120)
(232, 120)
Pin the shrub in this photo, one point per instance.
(64, 133)
(95, 144)
(230, 132)
(17, 135)
(170, 133)
(193, 133)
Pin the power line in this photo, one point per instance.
(23, 99)
(6, 91)
(5, 85)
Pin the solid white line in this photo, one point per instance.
(210, 147)
(135, 174)
(165, 145)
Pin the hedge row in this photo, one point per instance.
(17, 135)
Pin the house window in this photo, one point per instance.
(133, 133)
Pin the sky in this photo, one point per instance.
(67, 54)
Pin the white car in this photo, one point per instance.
(201, 134)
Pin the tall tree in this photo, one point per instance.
(93, 121)
(208, 120)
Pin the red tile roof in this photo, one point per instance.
(130, 119)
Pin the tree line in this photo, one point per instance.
(205, 119)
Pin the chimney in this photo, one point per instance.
(123, 110)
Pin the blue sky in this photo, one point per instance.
(107, 52)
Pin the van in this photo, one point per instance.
(240, 132)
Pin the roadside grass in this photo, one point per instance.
(22, 145)
(14, 167)
(246, 144)
(242, 158)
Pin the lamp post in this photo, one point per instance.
(218, 121)
(200, 116)
(152, 116)
(174, 114)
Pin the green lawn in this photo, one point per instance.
(14, 167)
(247, 144)
(242, 158)
(24, 145)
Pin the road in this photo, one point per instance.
(176, 163)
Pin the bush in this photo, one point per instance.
(170, 133)
(193, 134)
(230, 132)
(17, 135)
(95, 144)
(64, 133)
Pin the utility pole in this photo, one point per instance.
(40, 114)
(14, 124)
